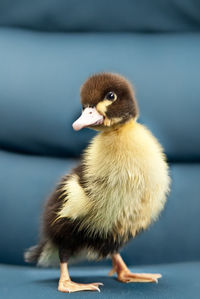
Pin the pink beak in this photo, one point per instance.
(89, 117)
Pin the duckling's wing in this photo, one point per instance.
(73, 201)
(68, 200)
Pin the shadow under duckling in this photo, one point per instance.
(117, 190)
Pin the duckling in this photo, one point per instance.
(118, 189)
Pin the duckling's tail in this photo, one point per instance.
(45, 254)
(32, 255)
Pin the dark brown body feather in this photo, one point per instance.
(70, 236)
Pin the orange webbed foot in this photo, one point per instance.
(125, 275)
(138, 277)
(68, 286)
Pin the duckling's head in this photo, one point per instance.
(108, 102)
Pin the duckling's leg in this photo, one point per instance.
(125, 275)
(65, 284)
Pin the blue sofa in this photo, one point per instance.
(47, 50)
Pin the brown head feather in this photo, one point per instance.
(95, 89)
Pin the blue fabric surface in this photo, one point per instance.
(180, 281)
(104, 15)
(26, 181)
(41, 74)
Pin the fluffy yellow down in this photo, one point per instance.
(126, 181)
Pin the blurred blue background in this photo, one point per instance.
(47, 50)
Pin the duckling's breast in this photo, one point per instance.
(126, 179)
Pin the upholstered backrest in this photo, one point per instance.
(41, 75)
(102, 16)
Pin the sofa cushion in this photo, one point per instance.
(178, 281)
(88, 15)
(26, 181)
(41, 74)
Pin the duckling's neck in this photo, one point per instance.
(119, 140)
(121, 128)
(111, 150)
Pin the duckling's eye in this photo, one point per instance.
(111, 96)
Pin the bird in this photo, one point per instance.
(116, 191)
